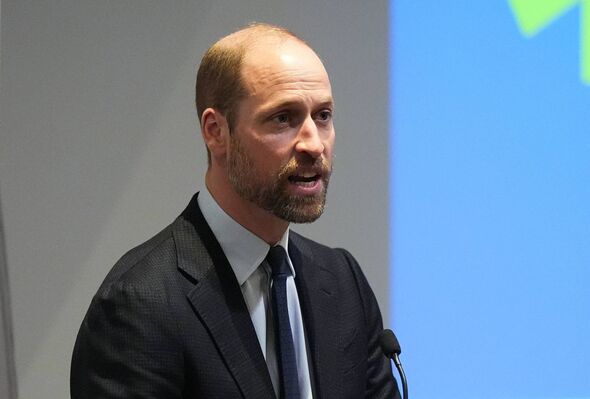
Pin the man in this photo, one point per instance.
(226, 302)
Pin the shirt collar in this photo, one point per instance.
(244, 250)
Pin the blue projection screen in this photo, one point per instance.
(490, 168)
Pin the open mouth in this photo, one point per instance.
(305, 179)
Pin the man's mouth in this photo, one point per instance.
(305, 178)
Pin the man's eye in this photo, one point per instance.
(281, 118)
(324, 116)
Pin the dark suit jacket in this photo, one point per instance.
(170, 321)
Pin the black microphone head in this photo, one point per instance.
(389, 343)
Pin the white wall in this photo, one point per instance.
(99, 147)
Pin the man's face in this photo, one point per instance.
(280, 152)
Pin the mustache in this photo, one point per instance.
(319, 166)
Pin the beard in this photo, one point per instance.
(273, 196)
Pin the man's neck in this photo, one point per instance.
(255, 219)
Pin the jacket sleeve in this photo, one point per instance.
(127, 347)
(380, 381)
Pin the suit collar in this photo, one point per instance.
(219, 303)
(244, 250)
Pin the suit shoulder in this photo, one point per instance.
(308, 244)
(332, 257)
(157, 255)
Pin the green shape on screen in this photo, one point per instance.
(535, 15)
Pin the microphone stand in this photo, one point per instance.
(402, 375)
(391, 349)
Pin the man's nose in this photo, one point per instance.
(309, 139)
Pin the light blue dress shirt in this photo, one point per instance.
(245, 253)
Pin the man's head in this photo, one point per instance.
(265, 105)
(220, 83)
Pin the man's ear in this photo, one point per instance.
(215, 131)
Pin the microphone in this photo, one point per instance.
(392, 350)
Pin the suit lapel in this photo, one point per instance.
(219, 303)
(318, 292)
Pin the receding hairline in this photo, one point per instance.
(230, 53)
(254, 33)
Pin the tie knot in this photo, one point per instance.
(277, 259)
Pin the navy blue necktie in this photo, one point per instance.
(277, 259)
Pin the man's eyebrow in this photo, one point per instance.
(325, 102)
(328, 102)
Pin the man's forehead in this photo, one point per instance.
(267, 63)
(273, 47)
